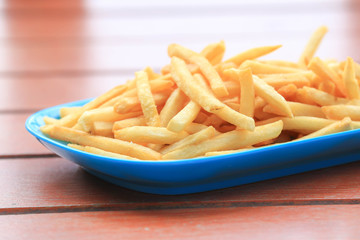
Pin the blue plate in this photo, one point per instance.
(204, 174)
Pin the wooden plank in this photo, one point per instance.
(127, 58)
(276, 222)
(30, 93)
(86, 43)
(135, 24)
(15, 140)
(53, 185)
(67, 5)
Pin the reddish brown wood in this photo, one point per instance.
(68, 38)
(14, 139)
(51, 185)
(291, 222)
(80, 48)
(127, 58)
(24, 93)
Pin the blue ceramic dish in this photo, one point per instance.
(210, 173)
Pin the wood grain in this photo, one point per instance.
(30, 93)
(57, 185)
(83, 48)
(111, 38)
(15, 140)
(276, 222)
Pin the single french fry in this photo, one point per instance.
(350, 82)
(79, 127)
(234, 117)
(340, 126)
(217, 153)
(310, 124)
(216, 83)
(49, 120)
(270, 95)
(322, 98)
(214, 52)
(76, 146)
(114, 100)
(247, 92)
(195, 138)
(335, 66)
(146, 99)
(183, 118)
(68, 110)
(357, 69)
(341, 111)
(220, 68)
(326, 73)
(155, 147)
(71, 119)
(252, 53)
(200, 81)
(149, 134)
(263, 68)
(99, 151)
(264, 143)
(228, 141)
(129, 122)
(312, 46)
(102, 114)
(172, 106)
(287, 91)
(185, 82)
(103, 129)
(133, 104)
(151, 74)
(104, 143)
(278, 80)
(300, 123)
(298, 109)
(195, 127)
(301, 96)
(259, 102)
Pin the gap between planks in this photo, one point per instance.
(173, 205)
(27, 156)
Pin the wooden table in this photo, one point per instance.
(53, 52)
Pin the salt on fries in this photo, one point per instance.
(201, 105)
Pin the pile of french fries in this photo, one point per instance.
(201, 106)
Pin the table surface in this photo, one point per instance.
(52, 52)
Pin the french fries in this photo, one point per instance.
(201, 106)
(104, 143)
(146, 99)
(148, 134)
(312, 46)
(216, 83)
